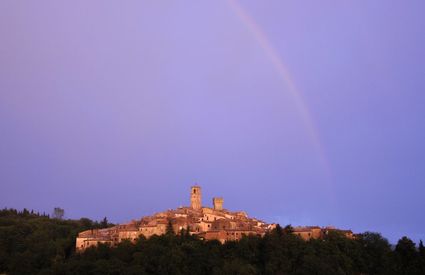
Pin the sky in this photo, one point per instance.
(297, 112)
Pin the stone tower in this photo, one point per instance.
(195, 197)
(218, 203)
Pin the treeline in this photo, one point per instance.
(36, 244)
(32, 242)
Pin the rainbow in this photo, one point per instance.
(273, 55)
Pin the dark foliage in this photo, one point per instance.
(31, 243)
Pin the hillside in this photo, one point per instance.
(36, 244)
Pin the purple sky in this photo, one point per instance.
(116, 109)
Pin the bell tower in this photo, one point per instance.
(195, 197)
(218, 203)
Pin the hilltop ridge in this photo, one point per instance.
(216, 223)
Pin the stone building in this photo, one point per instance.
(196, 197)
(315, 232)
(216, 223)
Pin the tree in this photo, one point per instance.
(104, 223)
(421, 249)
(36, 244)
(169, 231)
(422, 257)
(407, 256)
(58, 213)
(288, 229)
(376, 252)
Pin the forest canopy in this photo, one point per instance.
(33, 243)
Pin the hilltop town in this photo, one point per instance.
(207, 223)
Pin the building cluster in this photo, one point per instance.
(207, 223)
(316, 232)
